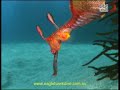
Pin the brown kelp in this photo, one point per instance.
(109, 42)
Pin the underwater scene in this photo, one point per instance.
(59, 44)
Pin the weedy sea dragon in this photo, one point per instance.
(83, 12)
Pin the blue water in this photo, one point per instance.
(26, 58)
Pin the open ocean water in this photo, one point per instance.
(27, 60)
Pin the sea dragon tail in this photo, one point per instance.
(40, 32)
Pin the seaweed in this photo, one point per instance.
(109, 71)
(109, 42)
(107, 46)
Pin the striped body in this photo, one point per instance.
(83, 12)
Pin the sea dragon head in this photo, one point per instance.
(53, 40)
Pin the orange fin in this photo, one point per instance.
(40, 32)
(50, 18)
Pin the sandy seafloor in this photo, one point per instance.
(23, 64)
